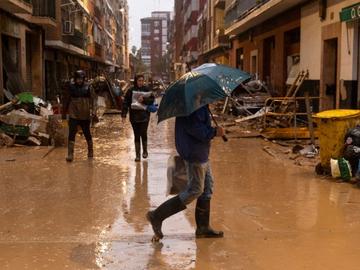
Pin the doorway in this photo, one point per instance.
(330, 71)
(269, 61)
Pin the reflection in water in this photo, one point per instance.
(140, 200)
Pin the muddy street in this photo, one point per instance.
(91, 214)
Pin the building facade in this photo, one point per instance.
(265, 39)
(186, 35)
(21, 47)
(90, 35)
(330, 50)
(213, 42)
(190, 24)
(155, 40)
(270, 37)
(50, 39)
(178, 63)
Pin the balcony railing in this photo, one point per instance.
(77, 39)
(17, 6)
(240, 9)
(44, 8)
(98, 50)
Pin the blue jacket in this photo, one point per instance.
(193, 134)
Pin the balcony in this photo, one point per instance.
(17, 6)
(241, 16)
(219, 4)
(44, 12)
(77, 39)
(109, 55)
(98, 50)
(220, 39)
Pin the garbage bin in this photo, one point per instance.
(332, 127)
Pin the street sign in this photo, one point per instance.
(351, 13)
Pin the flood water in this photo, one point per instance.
(91, 214)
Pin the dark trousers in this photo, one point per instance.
(140, 131)
(85, 126)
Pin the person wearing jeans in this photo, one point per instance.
(139, 117)
(193, 134)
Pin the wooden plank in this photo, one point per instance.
(287, 133)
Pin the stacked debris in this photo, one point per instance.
(29, 120)
(256, 110)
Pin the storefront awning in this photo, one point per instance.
(350, 13)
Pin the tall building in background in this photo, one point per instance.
(155, 37)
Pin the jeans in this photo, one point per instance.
(200, 182)
(85, 126)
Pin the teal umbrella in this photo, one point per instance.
(203, 85)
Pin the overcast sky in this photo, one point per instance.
(140, 9)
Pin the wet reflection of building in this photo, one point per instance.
(140, 201)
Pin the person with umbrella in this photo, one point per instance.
(187, 99)
(136, 101)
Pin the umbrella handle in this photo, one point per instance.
(225, 139)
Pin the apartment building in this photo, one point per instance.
(45, 41)
(155, 37)
(213, 42)
(90, 35)
(21, 46)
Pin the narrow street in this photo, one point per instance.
(91, 214)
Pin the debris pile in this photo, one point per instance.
(29, 120)
(256, 110)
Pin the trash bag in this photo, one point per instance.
(352, 137)
(176, 175)
(352, 154)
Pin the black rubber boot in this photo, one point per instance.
(145, 152)
(165, 210)
(90, 149)
(202, 217)
(70, 156)
(137, 151)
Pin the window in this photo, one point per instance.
(145, 29)
(78, 21)
(97, 34)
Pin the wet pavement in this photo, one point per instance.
(90, 214)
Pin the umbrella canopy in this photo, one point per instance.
(201, 86)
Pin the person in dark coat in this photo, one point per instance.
(79, 103)
(139, 115)
(193, 134)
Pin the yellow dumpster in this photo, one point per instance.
(332, 127)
